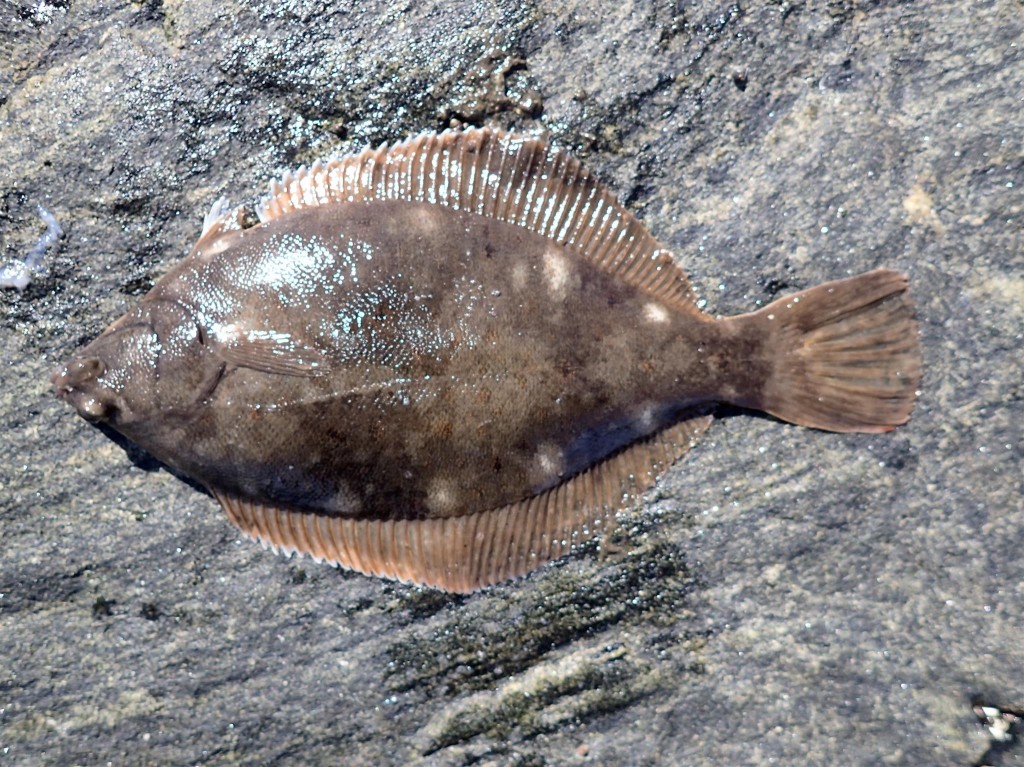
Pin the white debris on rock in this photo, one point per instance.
(19, 274)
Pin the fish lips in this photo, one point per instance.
(78, 384)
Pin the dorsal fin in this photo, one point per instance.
(469, 552)
(220, 227)
(515, 179)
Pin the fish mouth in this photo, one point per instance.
(77, 383)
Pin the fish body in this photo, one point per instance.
(450, 360)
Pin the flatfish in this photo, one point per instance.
(450, 360)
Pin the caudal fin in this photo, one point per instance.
(846, 355)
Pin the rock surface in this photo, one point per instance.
(785, 596)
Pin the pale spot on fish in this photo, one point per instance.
(655, 312)
(557, 273)
(520, 276)
(442, 496)
(548, 464)
(645, 418)
(346, 501)
(426, 220)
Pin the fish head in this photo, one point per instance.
(150, 364)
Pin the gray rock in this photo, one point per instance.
(785, 596)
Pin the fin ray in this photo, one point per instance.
(847, 356)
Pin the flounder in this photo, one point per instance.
(450, 360)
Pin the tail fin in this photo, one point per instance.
(846, 355)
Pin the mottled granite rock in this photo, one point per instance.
(785, 596)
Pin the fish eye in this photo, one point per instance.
(84, 371)
(92, 368)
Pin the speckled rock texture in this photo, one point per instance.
(783, 597)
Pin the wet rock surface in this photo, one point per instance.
(784, 596)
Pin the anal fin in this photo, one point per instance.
(469, 552)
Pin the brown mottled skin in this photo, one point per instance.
(409, 361)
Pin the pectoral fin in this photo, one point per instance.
(268, 351)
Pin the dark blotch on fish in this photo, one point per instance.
(450, 360)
